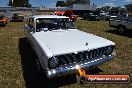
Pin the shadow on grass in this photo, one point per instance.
(127, 33)
(33, 79)
(90, 19)
(2, 25)
(16, 20)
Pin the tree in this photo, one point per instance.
(71, 2)
(19, 3)
(129, 7)
(10, 3)
(26, 3)
(106, 8)
(60, 3)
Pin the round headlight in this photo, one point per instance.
(109, 50)
(53, 62)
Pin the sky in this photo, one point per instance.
(51, 3)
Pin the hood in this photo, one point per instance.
(68, 41)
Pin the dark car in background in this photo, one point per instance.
(121, 24)
(17, 17)
(91, 16)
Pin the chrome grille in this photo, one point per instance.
(80, 56)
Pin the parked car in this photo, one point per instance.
(68, 13)
(121, 23)
(3, 20)
(17, 17)
(113, 16)
(108, 16)
(61, 47)
(59, 13)
(91, 16)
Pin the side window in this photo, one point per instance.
(44, 23)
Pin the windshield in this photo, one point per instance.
(54, 23)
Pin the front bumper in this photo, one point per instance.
(72, 68)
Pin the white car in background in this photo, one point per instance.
(60, 46)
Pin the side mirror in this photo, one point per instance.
(26, 27)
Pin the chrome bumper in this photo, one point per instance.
(72, 68)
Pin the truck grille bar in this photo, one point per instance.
(80, 56)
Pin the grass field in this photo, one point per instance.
(18, 68)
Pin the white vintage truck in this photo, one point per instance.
(121, 24)
(61, 47)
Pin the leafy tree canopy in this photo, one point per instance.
(19, 3)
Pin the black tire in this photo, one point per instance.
(121, 30)
(3, 25)
(107, 19)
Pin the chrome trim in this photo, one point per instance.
(71, 68)
(80, 57)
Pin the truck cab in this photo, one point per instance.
(61, 47)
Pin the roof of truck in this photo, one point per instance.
(48, 16)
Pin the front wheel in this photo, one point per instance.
(121, 30)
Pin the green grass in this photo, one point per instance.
(16, 59)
